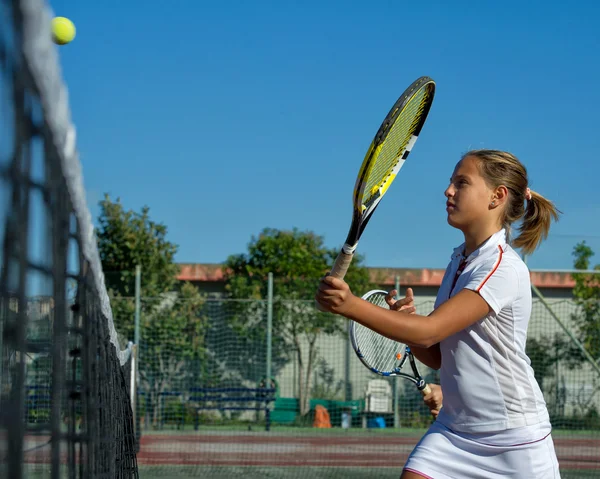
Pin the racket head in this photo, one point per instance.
(386, 155)
(392, 144)
(381, 355)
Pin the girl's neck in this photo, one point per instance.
(474, 239)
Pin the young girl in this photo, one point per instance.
(494, 423)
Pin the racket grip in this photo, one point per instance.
(426, 390)
(339, 269)
(341, 265)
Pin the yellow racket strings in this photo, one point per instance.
(389, 152)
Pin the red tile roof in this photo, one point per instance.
(384, 276)
(200, 272)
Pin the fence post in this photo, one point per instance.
(347, 382)
(138, 287)
(395, 384)
(269, 325)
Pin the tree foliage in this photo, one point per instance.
(172, 324)
(173, 347)
(297, 260)
(126, 239)
(587, 298)
(548, 351)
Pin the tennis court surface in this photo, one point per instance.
(308, 454)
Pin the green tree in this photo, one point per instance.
(587, 298)
(173, 346)
(297, 260)
(172, 324)
(586, 293)
(127, 239)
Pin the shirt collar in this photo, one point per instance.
(498, 238)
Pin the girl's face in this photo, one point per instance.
(468, 196)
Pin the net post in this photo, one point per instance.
(136, 354)
(133, 368)
(269, 325)
(395, 384)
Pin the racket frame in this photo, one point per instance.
(407, 355)
(361, 215)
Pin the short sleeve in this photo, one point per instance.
(497, 281)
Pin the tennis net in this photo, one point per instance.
(65, 404)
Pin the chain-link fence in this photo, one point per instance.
(214, 398)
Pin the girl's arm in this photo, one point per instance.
(462, 310)
(431, 357)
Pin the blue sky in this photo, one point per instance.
(228, 117)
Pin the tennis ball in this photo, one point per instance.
(63, 30)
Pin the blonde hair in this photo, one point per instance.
(502, 168)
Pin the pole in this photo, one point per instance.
(138, 287)
(269, 326)
(396, 385)
(347, 383)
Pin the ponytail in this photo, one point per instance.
(535, 226)
(504, 168)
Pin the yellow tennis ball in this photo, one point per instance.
(63, 30)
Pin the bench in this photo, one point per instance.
(232, 399)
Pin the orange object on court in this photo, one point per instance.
(322, 419)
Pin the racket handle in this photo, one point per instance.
(426, 390)
(339, 269)
(341, 265)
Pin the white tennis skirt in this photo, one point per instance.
(445, 454)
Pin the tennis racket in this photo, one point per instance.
(382, 355)
(386, 155)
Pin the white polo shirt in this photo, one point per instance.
(486, 377)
